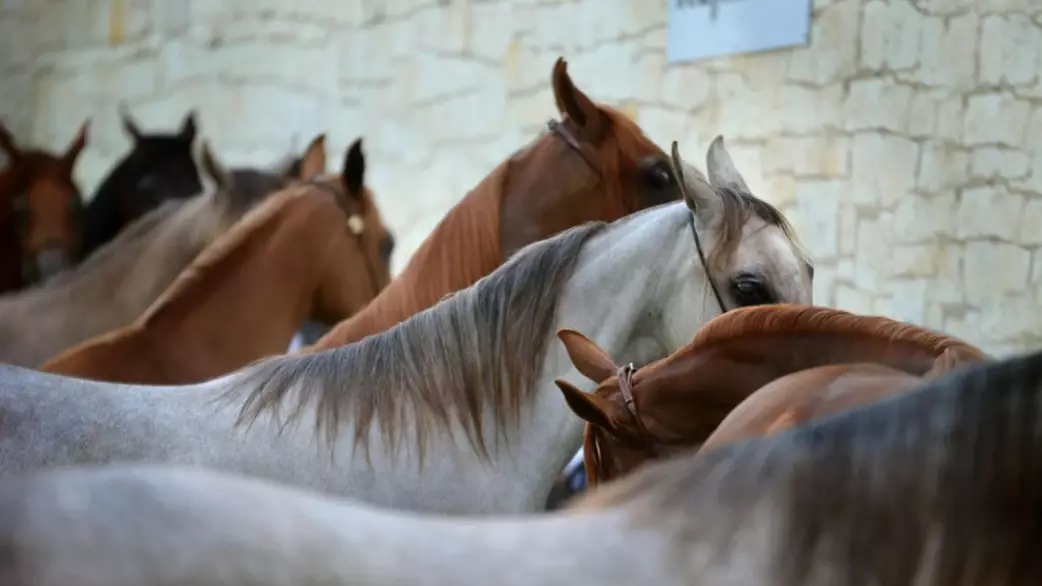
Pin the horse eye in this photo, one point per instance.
(660, 176)
(751, 290)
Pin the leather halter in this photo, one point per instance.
(369, 268)
(625, 378)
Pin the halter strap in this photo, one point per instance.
(625, 378)
(369, 268)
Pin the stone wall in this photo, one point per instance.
(904, 142)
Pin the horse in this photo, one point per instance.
(113, 286)
(159, 167)
(40, 212)
(935, 487)
(678, 402)
(459, 391)
(299, 254)
(593, 165)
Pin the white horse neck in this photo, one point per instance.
(631, 274)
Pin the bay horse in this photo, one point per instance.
(119, 281)
(299, 254)
(159, 167)
(40, 212)
(593, 165)
(935, 487)
(681, 400)
(459, 391)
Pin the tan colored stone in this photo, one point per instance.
(685, 86)
(942, 168)
(890, 35)
(988, 211)
(875, 104)
(949, 51)
(991, 163)
(831, 56)
(1030, 231)
(996, 118)
(993, 271)
(918, 219)
(818, 207)
(807, 156)
(882, 168)
(1010, 50)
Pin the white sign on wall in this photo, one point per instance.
(700, 29)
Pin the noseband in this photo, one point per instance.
(355, 225)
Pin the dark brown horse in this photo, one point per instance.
(40, 212)
(158, 167)
(679, 401)
(595, 164)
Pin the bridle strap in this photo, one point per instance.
(625, 378)
(369, 268)
(705, 265)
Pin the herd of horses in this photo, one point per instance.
(154, 430)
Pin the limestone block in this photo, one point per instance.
(948, 51)
(441, 77)
(1010, 50)
(831, 56)
(883, 168)
(808, 156)
(648, 73)
(878, 104)
(915, 261)
(685, 86)
(818, 204)
(131, 79)
(991, 163)
(872, 263)
(492, 28)
(993, 271)
(849, 298)
(947, 283)
(846, 227)
(988, 211)
(1030, 231)
(996, 118)
(780, 190)
(918, 219)
(943, 167)
(363, 54)
(607, 74)
(890, 35)
(805, 110)
(664, 126)
(922, 115)
(905, 300)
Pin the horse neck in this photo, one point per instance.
(749, 362)
(462, 248)
(272, 272)
(639, 274)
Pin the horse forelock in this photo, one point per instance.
(794, 319)
(738, 207)
(940, 482)
(479, 351)
(461, 249)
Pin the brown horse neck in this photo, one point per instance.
(462, 248)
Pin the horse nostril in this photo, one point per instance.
(387, 247)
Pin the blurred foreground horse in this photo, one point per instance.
(936, 487)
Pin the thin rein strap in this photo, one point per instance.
(369, 268)
(625, 378)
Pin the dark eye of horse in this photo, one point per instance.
(749, 289)
(659, 175)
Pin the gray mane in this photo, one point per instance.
(480, 348)
(943, 483)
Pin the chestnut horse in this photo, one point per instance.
(595, 164)
(40, 212)
(797, 398)
(302, 253)
(679, 401)
(937, 487)
(159, 167)
(113, 286)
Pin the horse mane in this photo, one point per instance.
(949, 473)
(481, 349)
(790, 318)
(462, 248)
(220, 253)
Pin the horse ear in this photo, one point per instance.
(589, 407)
(129, 125)
(945, 363)
(188, 127)
(588, 358)
(77, 145)
(7, 143)
(214, 169)
(722, 172)
(576, 105)
(698, 194)
(314, 160)
(354, 168)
